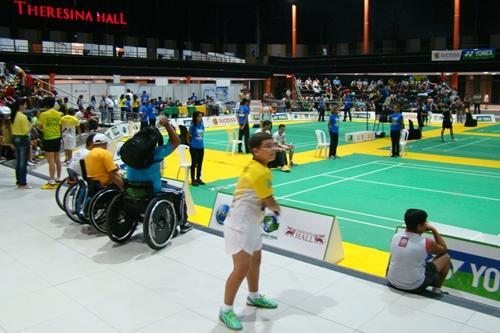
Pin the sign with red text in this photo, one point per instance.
(47, 11)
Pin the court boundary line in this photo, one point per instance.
(336, 182)
(419, 188)
(438, 145)
(322, 174)
(468, 144)
(444, 169)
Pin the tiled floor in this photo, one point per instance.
(57, 276)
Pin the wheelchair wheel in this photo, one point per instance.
(98, 206)
(60, 191)
(70, 202)
(159, 223)
(120, 227)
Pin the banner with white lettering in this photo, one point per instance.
(447, 55)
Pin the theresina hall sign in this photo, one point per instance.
(24, 8)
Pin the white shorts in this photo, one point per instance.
(69, 141)
(236, 241)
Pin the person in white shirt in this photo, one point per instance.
(80, 154)
(408, 268)
(280, 138)
(110, 106)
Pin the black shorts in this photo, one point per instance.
(52, 145)
(446, 124)
(431, 278)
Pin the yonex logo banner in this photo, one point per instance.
(476, 54)
(474, 274)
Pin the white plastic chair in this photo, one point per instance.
(232, 140)
(321, 143)
(183, 162)
(403, 142)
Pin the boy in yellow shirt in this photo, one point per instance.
(243, 228)
(70, 127)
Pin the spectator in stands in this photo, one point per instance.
(121, 106)
(333, 129)
(79, 101)
(321, 109)
(243, 121)
(447, 124)
(476, 100)
(144, 97)
(152, 113)
(93, 103)
(99, 163)
(20, 138)
(50, 124)
(348, 103)
(70, 127)
(243, 229)
(408, 268)
(144, 112)
(110, 107)
(197, 147)
(459, 109)
(396, 120)
(279, 138)
(91, 118)
(134, 107)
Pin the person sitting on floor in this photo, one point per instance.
(408, 268)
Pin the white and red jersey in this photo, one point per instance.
(409, 252)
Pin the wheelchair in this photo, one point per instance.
(85, 201)
(137, 203)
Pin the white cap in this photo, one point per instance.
(100, 138)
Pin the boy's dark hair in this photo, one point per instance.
(266, 123)
(90, 140)
(257, 138)
(48, 102)
(414, 217)
(281, 126)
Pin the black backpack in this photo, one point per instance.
(138, 151)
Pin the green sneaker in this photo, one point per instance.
(262, 302)
(230, 319)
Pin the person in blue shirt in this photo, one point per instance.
(396, 120)
(144, 112)
(144, 96)
(196, 147)
(333, 128)
(153, 172)
(127, 108)
(152, 113)
(347, 107)
(244, 132)
(321, 109)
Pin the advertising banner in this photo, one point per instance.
(475, 267)
(447, 55)
(307, 233)
(485, 118)
(222, 121)
(478, 54)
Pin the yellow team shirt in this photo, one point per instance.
(68, 124)
(99, 164)
(121, 103)
(136, 103)
(254, 185)
(21, 125)
(50, 123)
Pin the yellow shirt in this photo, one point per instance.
(50, 124)
(254, 185)
(121, 103)
(21, 125)
(136, 103)
(99, 164)
(68, 124)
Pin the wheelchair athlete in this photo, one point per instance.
(153, 174)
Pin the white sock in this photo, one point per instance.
(254, 295)
(52, 181)
(225, 308)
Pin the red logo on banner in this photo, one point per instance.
(68, 14)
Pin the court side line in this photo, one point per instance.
(341, 218)
(322, 174)
(443, 144)
(336, 182)
(420, 188)
(461, 146)
(438, 169)
(343, 210)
